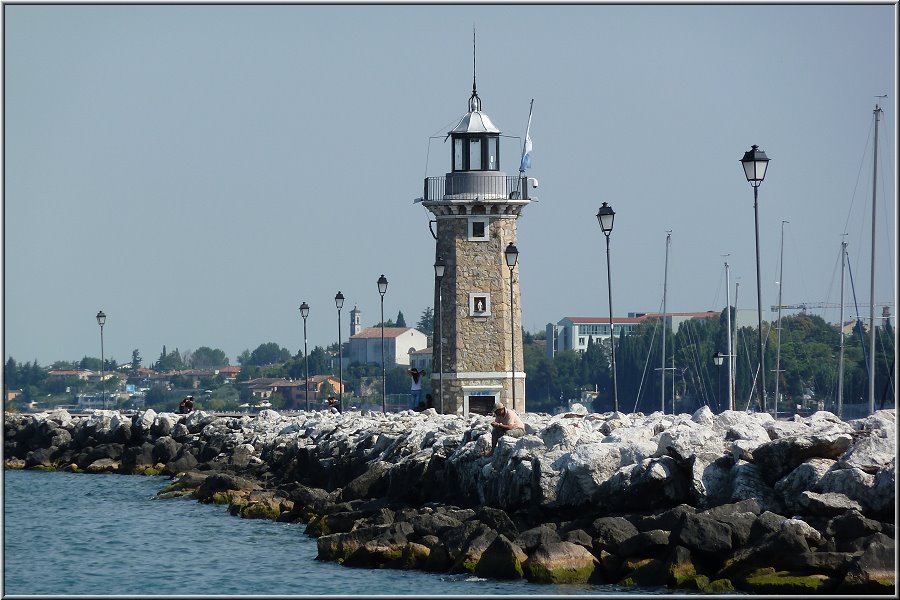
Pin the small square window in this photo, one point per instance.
(479, 304)
(478, 229)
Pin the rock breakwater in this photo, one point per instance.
(710, 502)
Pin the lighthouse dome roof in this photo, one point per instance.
(475, 121)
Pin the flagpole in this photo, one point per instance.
(524, 146)
(525, 141)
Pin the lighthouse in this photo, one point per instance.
(478, 327)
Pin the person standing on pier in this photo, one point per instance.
(415, 389)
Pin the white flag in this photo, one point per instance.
(526, 150)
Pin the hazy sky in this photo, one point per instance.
(197, 172)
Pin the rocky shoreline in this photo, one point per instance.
(708, 502)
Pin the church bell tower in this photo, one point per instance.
(475, 207)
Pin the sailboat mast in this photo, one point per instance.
(872, 275)
(778, 328)
(840, 393)
(737, 287)
(662, 370)
(730, 353)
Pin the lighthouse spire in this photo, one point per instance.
(474, 100)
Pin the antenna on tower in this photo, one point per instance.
(473, 58)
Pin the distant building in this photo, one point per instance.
(82, 374)
(292, 390)
(421, 359)
(365, 346)
(355, 320)
(574, 333)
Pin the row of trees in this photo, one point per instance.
(808, 367)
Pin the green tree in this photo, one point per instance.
(426, 322)
(247, 373)
(11, 377)
(277, 401)
(319, 362)
(205, 357)
(401, 322)
(157, 395)
(268, 354)
(90, 363)
(171, 361)
(540, 383)
(135, 360)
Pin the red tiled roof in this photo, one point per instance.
(601, 320)
(696, 315)
(375, 332)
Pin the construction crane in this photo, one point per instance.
(804, 306)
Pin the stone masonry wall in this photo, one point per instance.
(477, 344)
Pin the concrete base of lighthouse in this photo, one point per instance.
(465, 394)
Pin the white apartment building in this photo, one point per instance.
(574, 333)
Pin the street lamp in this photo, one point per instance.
(382, 288)
(304, 312)
(439, 267)
(339, 303)
(101, 321)
(512, 256)
(606, 216)
(718, 357)
(755, 163)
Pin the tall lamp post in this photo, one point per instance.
(304, 312)
(718, 357)
(339, 303)
(101, 321)
(512, 256)
(755, 163)
(606, 216)
(439, 267)
(382, 288)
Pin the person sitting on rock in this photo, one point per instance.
(186, 405)
(334, 406)
(506, 422)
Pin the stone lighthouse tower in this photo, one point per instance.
(477, 307)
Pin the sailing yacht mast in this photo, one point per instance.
(872, 275)
(840, 393)
(778, 328)
(662, 370)
(730, 354)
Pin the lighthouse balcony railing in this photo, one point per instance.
(483, 188)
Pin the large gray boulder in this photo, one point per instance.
(560, 562)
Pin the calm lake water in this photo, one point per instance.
(80, 534)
